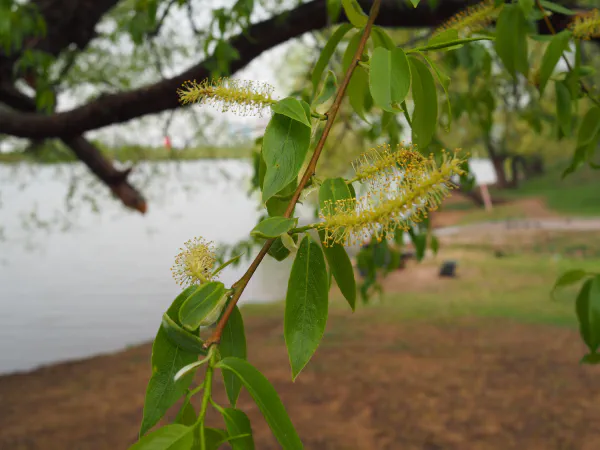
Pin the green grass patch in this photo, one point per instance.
(55, 152)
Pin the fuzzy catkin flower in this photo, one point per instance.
(194, 263)
(472, 19)
(243, 97)
(397, 200)
(586, 26)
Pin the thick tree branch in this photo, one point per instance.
(161, 96)
(86, 152)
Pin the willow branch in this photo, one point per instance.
(240, 285)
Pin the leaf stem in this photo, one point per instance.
(310, 170)
(206, 398)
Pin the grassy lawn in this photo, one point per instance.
(515, 286)
(576, 195)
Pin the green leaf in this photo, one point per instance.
(526, 6)
(169, 437)
(292, 108)
(350, 51)
(341, 269)
(558, 45)
(329, 88)
(187, 414)
(551, 6)
(355, 14)
(591, 358)
(590, 126)
(284, 149)
(563, 107)
(424, 118)
(272, 227)
(419, 241)
(327, 52)
(381, 38)
(278, 250)
(167, 358)
(226, 263)
(448, 45)
(334, 189)
(568, 278)
(213, 438)
(435, 244)
(511, 39)
(233, 343)
(358, 90)
(588, 313)
(201, 305)
(237, 423)
(181, 337)
(306, 304)
(334, 8)
(415, 3)
(389, 78)
(445, 82)
(444, 37)
(266, 399)
(277, 205)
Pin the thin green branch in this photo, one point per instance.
(310, 170)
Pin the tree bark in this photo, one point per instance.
(161, 96)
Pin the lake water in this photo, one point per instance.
(75, 283)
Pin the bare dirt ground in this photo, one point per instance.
(372, 385)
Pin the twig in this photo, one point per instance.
(239, 286)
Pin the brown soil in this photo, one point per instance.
(373, 384)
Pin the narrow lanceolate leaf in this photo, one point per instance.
(334, 8)
(358, 90)
(213, 438)
(553, 53)
(329, 88)
(169, 437)
(389, 78)
(167, 358)
(564, 107)
(233, 343)
(445, 82)
(278, 250)
(238, 424)
(590, 126)
(327, 52)
(341, 269)
(306, 304)
(284, 149)
(511, 39)
(187, 414)
(354, 12)
(201, 304)
(424, 119)
(588, 313)
(381, 38)
(266, 399)
(292, 108)
(568, 278)
(181, 337)
(334, 189)
(273, 227)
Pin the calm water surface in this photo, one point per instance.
(75, 283)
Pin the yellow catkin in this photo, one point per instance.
(396, 199)
(472, 19)
(243, 97)
(194, 263)
(586, 26)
